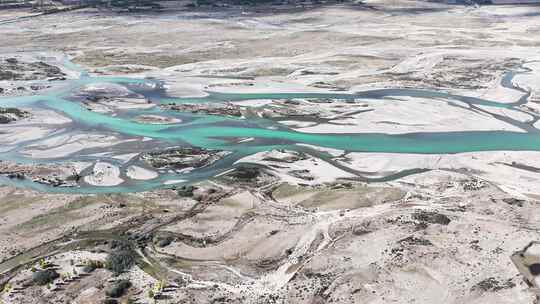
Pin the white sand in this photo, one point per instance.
(104, 174)
(139, 173)
(157, 119)
(491, 166)
(64, 145)
(411, 115)
(174, 181)
(13, 135)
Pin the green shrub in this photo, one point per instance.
(44, 277)
(120, 261)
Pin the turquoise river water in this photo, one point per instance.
(216, 132)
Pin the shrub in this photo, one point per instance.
(44, 264)
(44, 277)
(91, 265)
(118, 289)
(7, 288)
(119, 245)
(120, 261)
(164, 242)
(186, 191)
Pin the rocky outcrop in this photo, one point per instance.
(12, 69)
(527, 262)
(183, 158)
(53, 175)
(274, 112)
(226, 109)
(8, 115)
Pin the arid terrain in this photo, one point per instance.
(369, 152)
